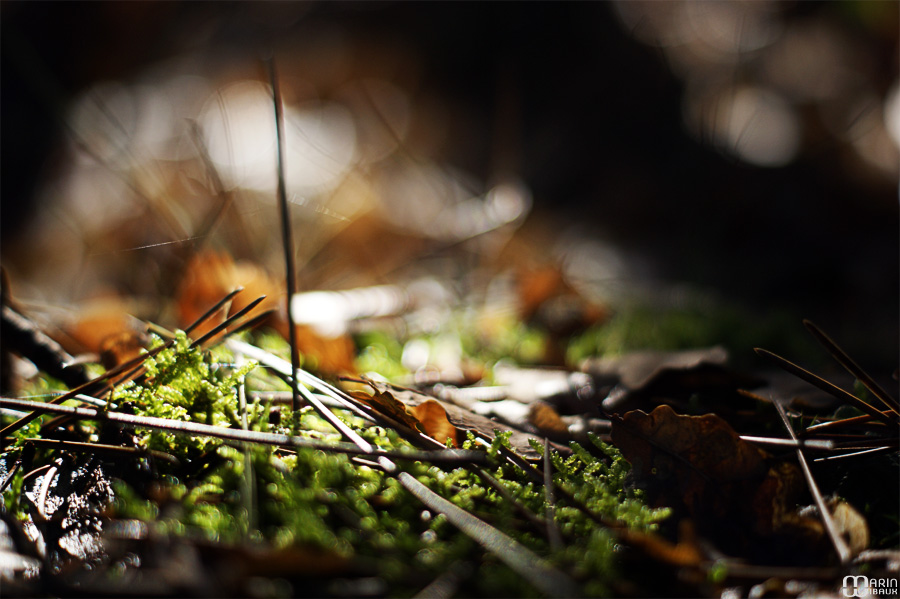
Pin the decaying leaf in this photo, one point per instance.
(433, 419)
(696, 460)
(385, 404)
(733, 490)
(463, 419)
(547, 420)
(428, 416)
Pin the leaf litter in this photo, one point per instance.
(446, 471)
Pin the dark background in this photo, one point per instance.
(558, 94)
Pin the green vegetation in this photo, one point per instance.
(691, 325)
(350, 511)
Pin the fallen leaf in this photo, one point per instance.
(385, 404)
(433, 419)
(464, 419)
(547, 421)
(733, 490)
(636, 369)
(697, 461)
(330, 355)
(104, 326)
(428, 416)
(648, 375)
(209, 276)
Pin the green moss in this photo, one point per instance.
(184, 383)
(337, 506)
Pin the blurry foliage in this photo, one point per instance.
(382, 353)
(641, 325)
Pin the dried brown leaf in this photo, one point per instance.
(463, 419)
(433, 420)
(733, 490)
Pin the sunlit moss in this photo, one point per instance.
(182, 383)
(327, 502)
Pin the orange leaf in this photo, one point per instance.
(384, 403)
(428, 417)
(331, 355)
(209, 276)
(433, 419)
(105, 327)
(461, 419)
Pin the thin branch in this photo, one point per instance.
(215, 308)
(819, 444)
(9, 477)
(839, 424)
(228, 322)
(103, 448)
(24, 337)
(283, 368)
(856, 454)
(298, 390)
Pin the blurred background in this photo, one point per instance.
(744, 150)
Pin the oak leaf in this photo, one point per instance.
(734, 491)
